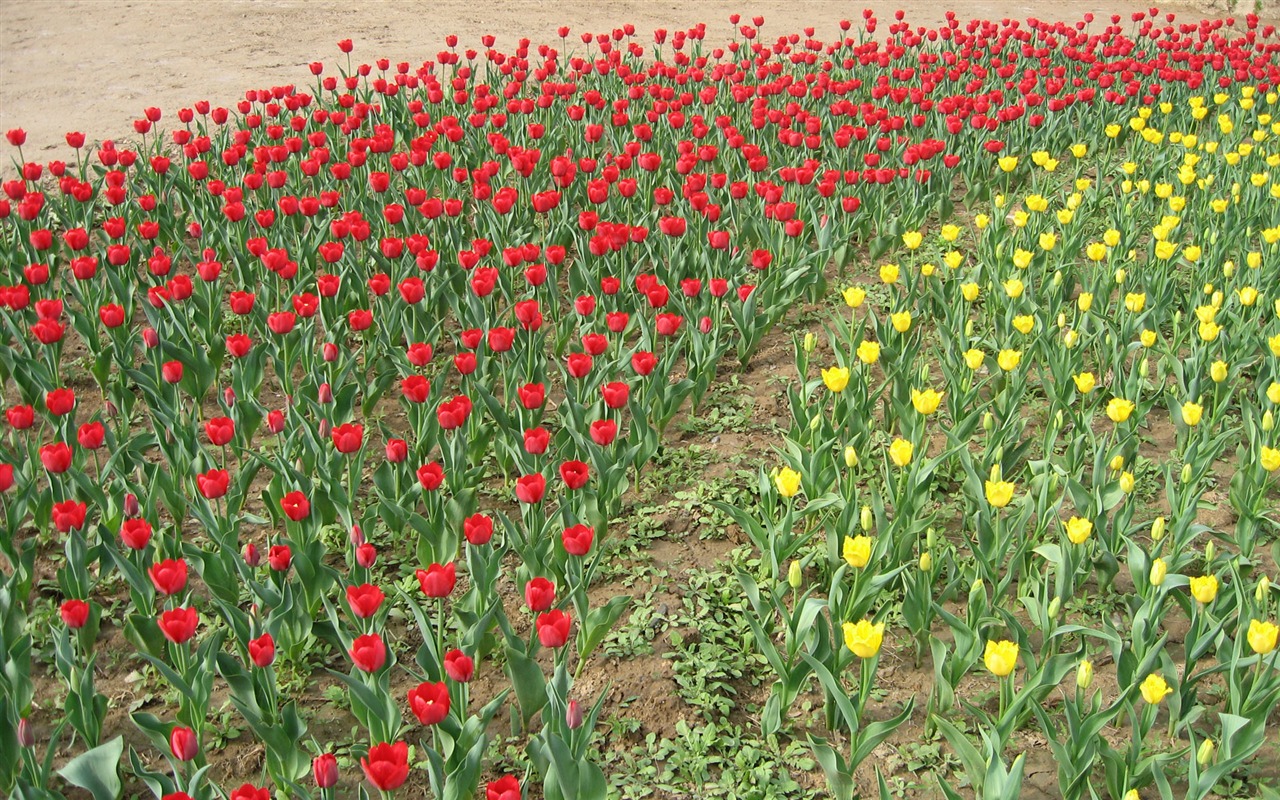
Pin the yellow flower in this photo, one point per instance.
(1024, 323)
(1096, 251)
(953, 259)
(787, 482)
(1191, 413)
(982, 221)
(1147, 337)
(900, 452)
(1165, 250)
(1248, 295)
(912, 239)
(1119, 409)
(1001, 657)
(1127, 484)
(1273, 392)
(1111, 237)
(1008, 163)
(1112, 130)
(1070, 338)
(1021, 258)
(864, 638)
(1048, 241)
(1158, 570)
(1084, 302)
(950, 233)
(1078, 150)
(1208, 331)
(999, 493)
(851, 457)
(1135, 302)
(1218, 371)
(836, 378)
(857, 551)
(1192, 253)
(1084, 382)
(1270, 459)
(1009, 359)
(1154, 689)
(869, 352)
(969, 291)
(901, 321)
(854, 295)
(973, 359)
(889, 273)
(925, 402)
(1204, 589)
(1262, 636)
(1013, 287)
(927, 270)
(1079, 529)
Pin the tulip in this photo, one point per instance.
(182, 743)
(387, 765)
(368, 652)
(1262, 636)
(458, 666)
(999, 493)
(324, 770)
(553, 628)
(836, 378)
(787, 482)
(864, 638)
(1084, 674)
(1158, 571)
(1001, 657)
(926, 402)
(900, 452)
(1204, 589)
(429, 702)
(74, 613)
(857, 551)
(1079, 530)
(1154, 689)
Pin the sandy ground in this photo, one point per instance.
(93, 65)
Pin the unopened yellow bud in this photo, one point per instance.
(1157, 529)
(1084, 674)
(1158, 571)
(850, 457)
(1204, 756)
(866, 518)
(810, 342)
(926, 562)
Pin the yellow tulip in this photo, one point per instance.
(912, 239)
(1001, 657)
(787, 482)
(1159, 570)
(1084, 382)
(1135, 302)
(1273, 392)
(1111, 237)
(851, 457)
(1248, 295)
(973, 359)
(889, 273)
(1008, 163)
(1208, 331)
(925, 402)
(1084, 674)
(857, 551)
(901, 321)
(1013, 287)
(854, 295)
(1262, 636)
(1218, 371)
(1128, 483)
(1079, 530)
(1270, 459)
(1191, 413)
(969, 291)
(950, 232)
(927, 270)
(864, 638)
(1165, 250)
(1024, 323)
(1079, 150)
(1119, 409)
(1204, 589)
(836, 378)
(1009, 359)
(1154, 689)
(900, 452)
(869, 352)
(1084, 302)
(953, 259)
(1048, 241)
(1021, 258)
(981, 221)
(1147, 337)
(999, 493)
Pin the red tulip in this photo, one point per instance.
(539, 594)
(397, 450)
(643, 362)
(429, 702)
(553, 628)
(577, 540)
(60, 401)
(415, 388)
(56, 457)
(248, 791)
(574, 474)
(91, 435)
(603, 432)
(178, 624)
(262, 651)
(324, 769)
(532, 395)
(348, 438)
(213, 484)
(183, 744)
(459, 666)
(431, 476)
(387, 765)
(74, 613)
(368, 652)
(536, 441)
(531, 488)
(295, 506)
(169, 576)
(20, 417)
(171, 371)
(477, 529)
(6, 477)
(438, 580)
(453, 413)
(68, 515)
(279, 557)
(505, 788)
(135, 533)
(364, 600)
(220, 430)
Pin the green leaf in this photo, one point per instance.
(97, 770)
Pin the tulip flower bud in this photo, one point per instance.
(366, 554)
(229, 397)
(1228, 269)
(976, 587)
(988, 422)
(356, 537)
(810, 342)
(1108, 340)
(1062, 320)
(1117, 463)
(1071, 338)
(1217, 299)
(1268, 421)
(924, 375)
(329, 352)
(926, 561)
(325, 394)
(1186, 473)
(814, 423)
(1127, 482)
(1177, 317)
(930, 538)
(1053, 483)
(1144, 368)
(573, 715)
(1157, 529)
(850, 457)
(1209, 552)
(1057, 279)
(111, 410)
(1204, 756)
(1158, 570)
(324, 768)
(968, 329)
(1058, 419)
(26, 737)
(1263, 589)
(1055, 606)
(150, 338)
(132, 508)
(252, 557)
(1084, 674)
(324, 428)
(795, 576)
(1132, 794)
(1121, 275)
(866, 519)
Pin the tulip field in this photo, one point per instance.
(739, 411)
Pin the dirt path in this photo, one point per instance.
(93, 65)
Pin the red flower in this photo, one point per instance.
(213, 484)
(553, 628)
(459, 666)
(178, 624)
(429, 702)
(295, 506)
(477, 529)
(532, 395)
(324, 769)
(21, 417)
(574, 474)
(365, 600)
(415, 388)
(643, 362)
(397, 450)
(536, 441)
(431, 476)
(579, 364)
(577, 540)
(183, 744)
(368, 652)
(539, 594)
(75, 613)
(615, 394)
(248, 791)
(69, 515)
(505, 788)
(603, 432)
(531, 488)
(262, 651)
(6, 477)
(135, 533)
(453, 413)
(279, 557)
(347, 438)
(169, 576)
(438, 580)
(56, 457)
(220, 430)
(60, 401)
(91, 435)
(387, 765)
(171, 371)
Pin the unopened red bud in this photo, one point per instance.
(325, 427)
(326, 393)
(26, 737)
(329, 352)
(132, 509)
(357, 536)
(229, 396)
(366, 554)
(251, 555)
(150, 337)
(573, 716)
